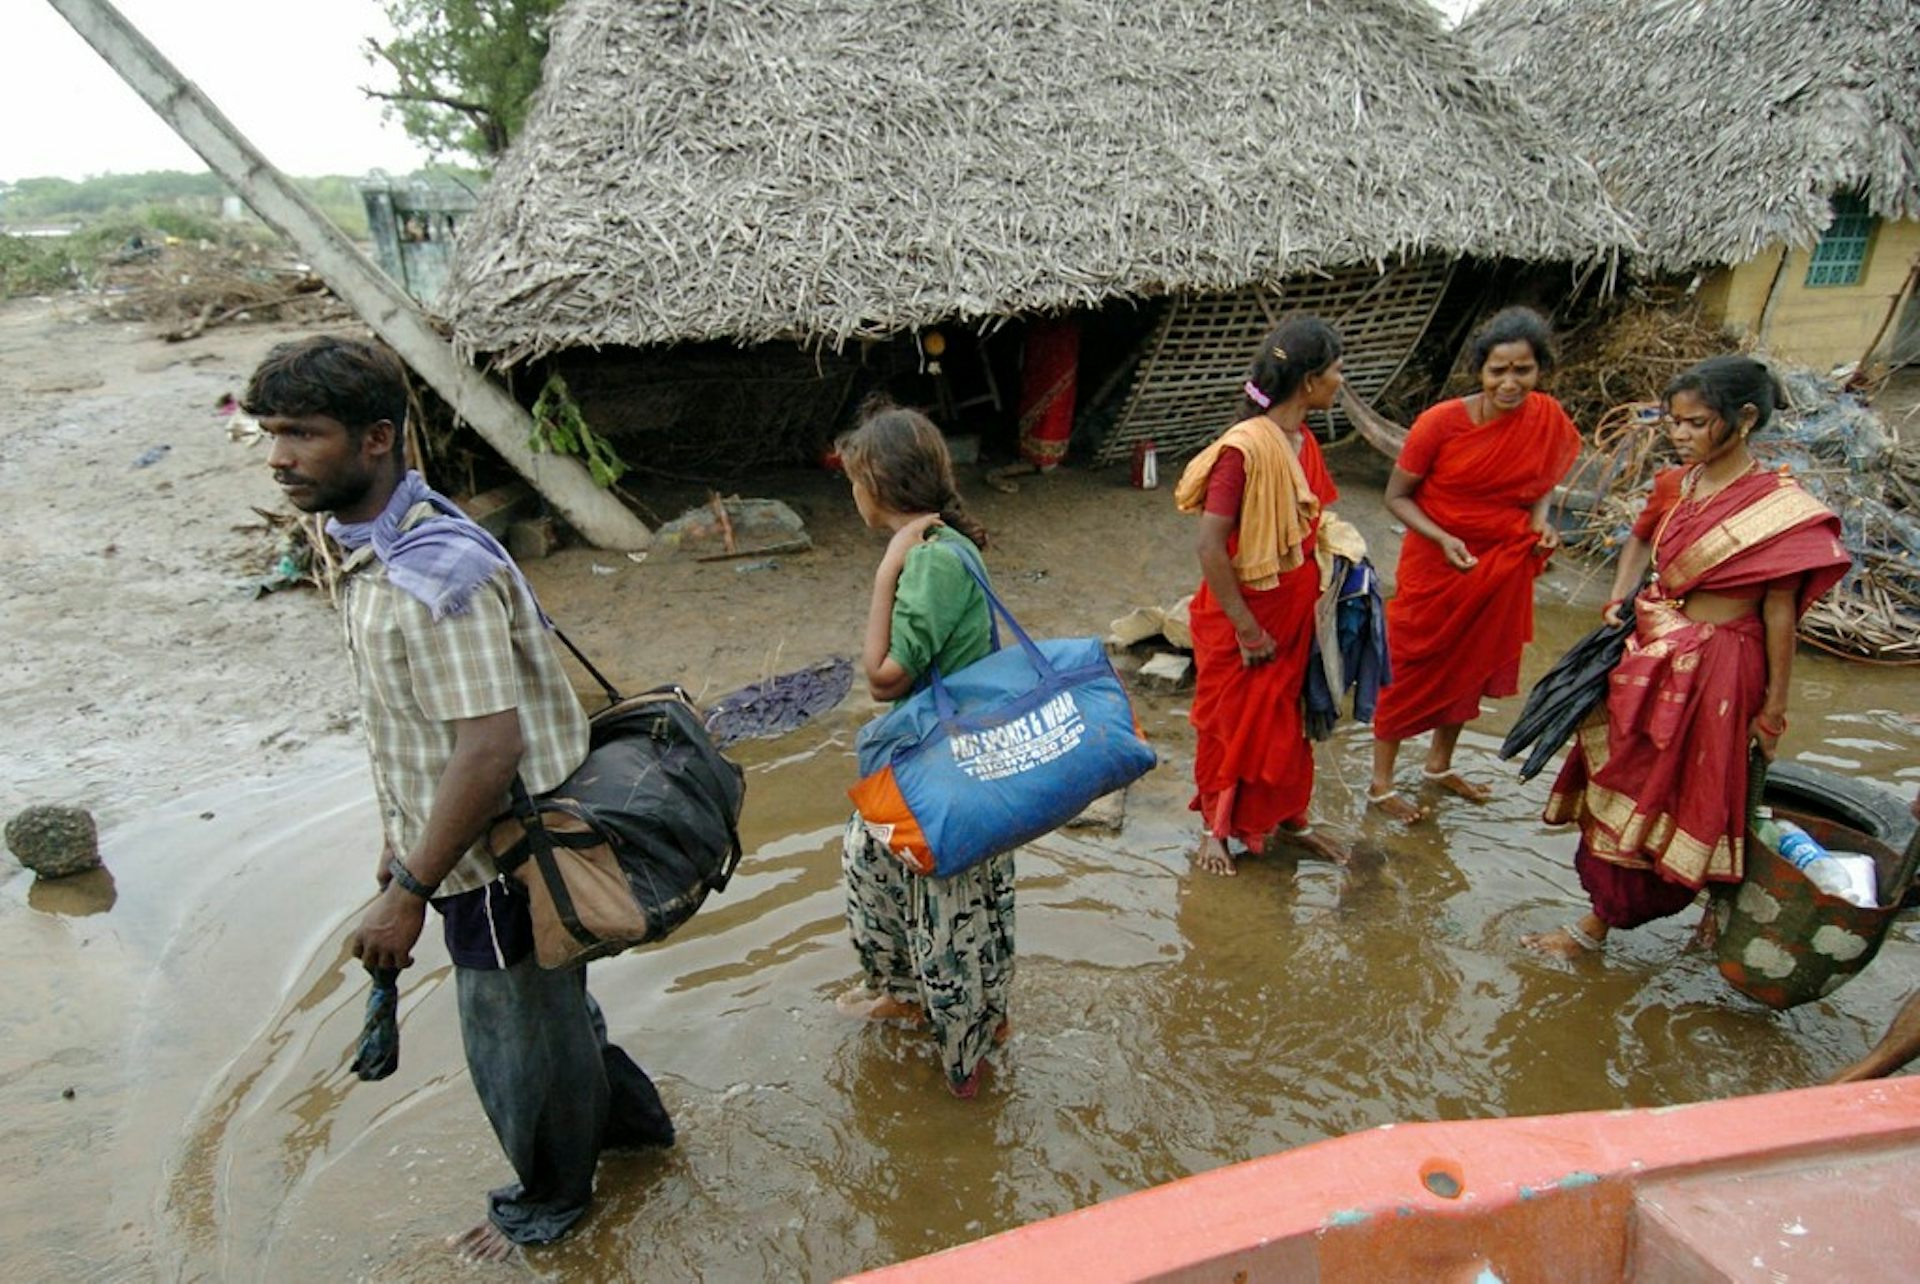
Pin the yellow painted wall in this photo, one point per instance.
(1824, 326)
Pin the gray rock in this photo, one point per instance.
(54, 841)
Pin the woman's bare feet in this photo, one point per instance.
(869, 1005)
(1455, 783)
(1315, 844)
(1213, 857)
(1570, 942)
(483, 1243)
(1390, 802)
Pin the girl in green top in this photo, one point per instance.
(934, 951)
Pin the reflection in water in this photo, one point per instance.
(1164, 1023)
(76, 895)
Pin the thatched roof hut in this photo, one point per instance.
(820, 170)
(1723, 127)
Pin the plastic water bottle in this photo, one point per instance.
(1797, 845)
(1823, 869)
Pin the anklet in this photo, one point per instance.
(1578, 936)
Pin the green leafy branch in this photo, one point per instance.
(560, 428)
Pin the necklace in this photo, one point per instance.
(1291, 436)
(1690, 489)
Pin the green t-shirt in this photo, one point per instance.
(940, 616)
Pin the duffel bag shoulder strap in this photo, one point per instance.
(996, 610)
(613, 694)
(536, 844)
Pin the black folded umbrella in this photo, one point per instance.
(379, 1053)
(1566, 694)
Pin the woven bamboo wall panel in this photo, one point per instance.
(1188, 384)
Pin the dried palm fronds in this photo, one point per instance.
(753, 170)
(1714, 166)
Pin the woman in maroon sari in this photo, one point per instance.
(1472, 485)
(1260, 489)
(1657, 777)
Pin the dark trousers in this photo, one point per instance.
(533, 1049)
(554, 1089)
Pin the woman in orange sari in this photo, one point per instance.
(1657, 777)
(1260, 489)
(1472, 485)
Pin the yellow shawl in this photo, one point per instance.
(1276, 510)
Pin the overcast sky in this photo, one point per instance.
(288, 75)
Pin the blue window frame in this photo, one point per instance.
(1840, 258)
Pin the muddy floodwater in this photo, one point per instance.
(174, 1041)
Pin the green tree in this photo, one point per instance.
(464, 70)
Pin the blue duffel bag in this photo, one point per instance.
(1012, 746)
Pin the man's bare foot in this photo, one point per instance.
(1569, 942)
(1395, 806)
(1003, 1031)
(1455, 783)
(1315, 844)
(483, 1243)
(864, 1003)
(1213, 857)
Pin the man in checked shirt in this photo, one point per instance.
(460, 689)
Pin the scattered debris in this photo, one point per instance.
(1841, 452)
(1107, 813)
(1168, 670)
(734, 527)
(531, 540)
(301, 553)
(496, 510)
(1148, 622)
(151, 456)
(191, 287)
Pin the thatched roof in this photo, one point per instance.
(1723, 126)
(822, 169)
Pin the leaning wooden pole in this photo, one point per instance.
(565, 483)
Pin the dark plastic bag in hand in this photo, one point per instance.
(379, 1053)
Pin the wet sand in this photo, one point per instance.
(203, 1015)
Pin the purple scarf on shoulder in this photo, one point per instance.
(441, 560)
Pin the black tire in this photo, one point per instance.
(1859, 804)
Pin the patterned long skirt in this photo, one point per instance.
(943, 943)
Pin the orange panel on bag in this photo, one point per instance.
(884, 809)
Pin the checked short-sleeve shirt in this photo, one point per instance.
(417, 676)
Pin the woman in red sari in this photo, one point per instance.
(1260, 489)
(1657, 777)
(1472, 485)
